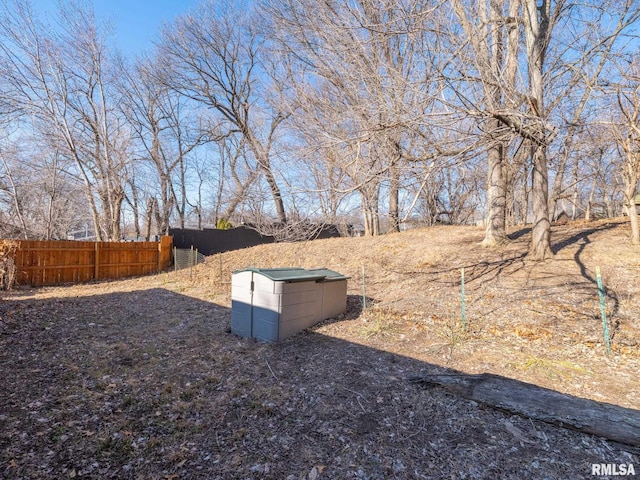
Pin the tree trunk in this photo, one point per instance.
(117, 228)
(276, 194)
(574, 204)
(394, 194)
(524, 207)
(602, 419)
(261, 153)
(370, 210)
(496, 192)
(592, 192)
(158, 216)
(95, 215)
(635, 228)
(631, 180)
(541, 234)
(536, 33)
(167, 204)
(149, 218)
(134, 203)
(494, 42)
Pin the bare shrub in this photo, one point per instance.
(7, 264)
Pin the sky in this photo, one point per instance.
(136, 22)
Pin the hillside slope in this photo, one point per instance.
(535, 321)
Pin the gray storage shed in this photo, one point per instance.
(273, 304)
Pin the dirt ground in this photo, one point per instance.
(142, 379)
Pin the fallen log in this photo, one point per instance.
(589, 416)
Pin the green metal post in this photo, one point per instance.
(220, 257)
(191, 264)
(364, 291)
(464, 312)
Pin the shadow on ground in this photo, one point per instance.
(150, 384)
(582, 239)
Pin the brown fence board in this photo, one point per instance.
(55, 262)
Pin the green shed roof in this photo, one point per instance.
(292, 274)
(330, 275)
(295, 274)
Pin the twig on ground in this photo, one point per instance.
(270, 369)
(358, 395)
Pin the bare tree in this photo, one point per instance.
(626, 131)
(40, 201)
(362, 87)
(491, 32)
(214, 59)
(166, 131)
(235, 162)
(63, 79)
(593, 45)
(10, 190)
(538, 24)
(509, 108)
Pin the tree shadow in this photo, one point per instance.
(150, 384)
(356, 304)
(582, 240)
(581, 236)
(483, 270)
(519, 233)
(491, 270)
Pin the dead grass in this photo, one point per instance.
(142, 379)
(7, 264)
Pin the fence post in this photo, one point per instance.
(97, 261)
(165, 249)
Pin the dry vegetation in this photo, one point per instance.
(142, 379)
(7, 264)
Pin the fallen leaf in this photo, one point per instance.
(313, 474)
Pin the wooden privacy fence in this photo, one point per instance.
(60, 261)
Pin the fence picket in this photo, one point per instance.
(54, 262)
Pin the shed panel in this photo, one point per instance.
(273, 304)
(299, 310)
(266, 300)
(334, 298)
(303, 296)
(266, 324)
(264, 284)
(241, 318)
(291, 327)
